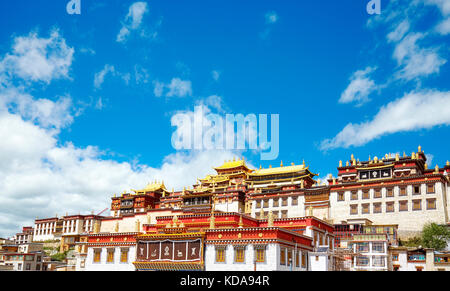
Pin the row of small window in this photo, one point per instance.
(110, 253)
(264, 203)
(260, 255)
(389, 192)
(364, 261)
(28, 267)
(364, 247)
(276, 214)
(390, 206)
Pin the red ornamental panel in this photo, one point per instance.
(169, 251)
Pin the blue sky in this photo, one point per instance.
(342, 81)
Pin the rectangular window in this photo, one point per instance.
(417, 205)
(124, 255)
(294, 201)
(303, 260)
(389, 192)
(110, 256)
(354, 195)
(431, 204)
(395, 257)
(284, 202)
(297, 259)
(276, 214)
(341, 196)
(378, 247)
(378, 261)
(366, 194)
(258, 203)
(402, 191)
(289, 261)
(362, 247)
(430, 188)
(220, 255)
(365, 209)
(362, 261)
(276, 202)
(416, 190)
(28, 267)
(283, 256)
(239, 255)
(353, 209)
(390, 207)
(377, 193)
(266, 203)
(284, 214)
(403, 205)
(260, 255)
(377, 208)
(97, 255)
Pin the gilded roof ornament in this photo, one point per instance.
(270, 219)
(419, 149)
(448, 163)
(281, 165)
(436, 169)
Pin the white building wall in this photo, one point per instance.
(272, 262)
(410, 222)
(292, 210)
(116, 266)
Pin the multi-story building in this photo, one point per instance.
(418, 259)
(391, 190)
(47, 229)
(27, 257)
(24, 237)
(230, 241)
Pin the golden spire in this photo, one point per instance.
(270, 219)
(347, 164)
(413, 155)
(426, 166)
(270, 166)
(397, 157)
(281, 165)
(310, 211)
(436, 169)
(448, 163)
(261, 214)
(304, 163)
(292, 164)
(340, 164)
(352, 157)
(419, 149)
(241, 223)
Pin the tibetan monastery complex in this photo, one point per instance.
(281, 218)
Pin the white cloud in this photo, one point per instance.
(399, 32)
(360, 87)
(133, 20)
(100, 76)
(215, 75)
(38, 59)
(416, 61)
(176, 88)
(414, 111)
(41, 177)
(444, 27)
(271, 17)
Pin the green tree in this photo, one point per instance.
(435, 236)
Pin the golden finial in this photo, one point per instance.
(426, 166)
(310, 211)
(352, 157)
(354, 163)
(270, 219)
(375, 159)
(261, 214)
(448, 163)
(304, 163)
(270, 166)
(397, 157)
(419, 149)
(413, 155)
(241, 223)
(340, 164)
(281, 165)
(370, 159)
(347, 164)
(292, 164)
(260, 167)
(436, 169)
(212, 221)
(234, 159)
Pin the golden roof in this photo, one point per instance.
(232, 164)
(152, 187)
(214, 179)
(280, 170)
